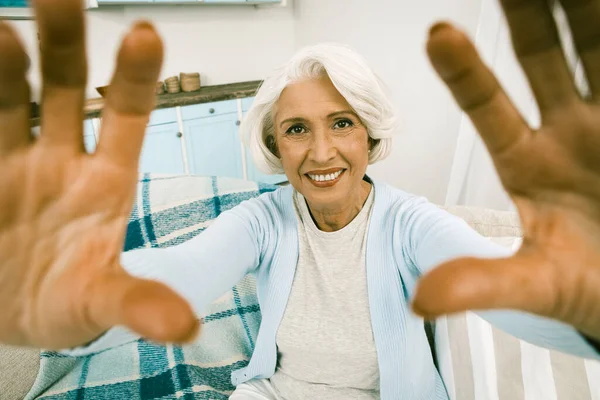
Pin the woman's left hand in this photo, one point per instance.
(552, 173)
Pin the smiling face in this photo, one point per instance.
(322, 143)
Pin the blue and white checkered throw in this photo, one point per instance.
(168, 210)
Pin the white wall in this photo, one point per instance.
(237, 43)
(391, 34)
(224, 43)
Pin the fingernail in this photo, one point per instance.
(415, 308)
(427, 316)
(438, 27)
(144, 25)
(193, 334)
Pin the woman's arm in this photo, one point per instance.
(200, 270)
(433, 236)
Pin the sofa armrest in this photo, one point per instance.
(18, 369)
(488, 222)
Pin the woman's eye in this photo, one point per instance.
(295, 130)
(343, 124)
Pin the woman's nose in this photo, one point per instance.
(322, 148)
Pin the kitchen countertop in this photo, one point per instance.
(206, 94)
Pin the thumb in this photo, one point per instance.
(149, 308)
(520, 282)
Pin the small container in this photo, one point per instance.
(190, 82)
(172, 84)
(160, 87)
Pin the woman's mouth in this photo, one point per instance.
(322, 179)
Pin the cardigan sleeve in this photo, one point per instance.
(200, 270)
(432, 236)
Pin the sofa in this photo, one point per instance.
(476, 361)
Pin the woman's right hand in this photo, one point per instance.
(63, 212)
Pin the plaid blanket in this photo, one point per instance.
(168, 210)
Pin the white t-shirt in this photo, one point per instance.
(325, 342)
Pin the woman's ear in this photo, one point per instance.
(272, 145)
(372, 143)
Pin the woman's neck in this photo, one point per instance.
(330, 220)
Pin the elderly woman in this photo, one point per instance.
(336, 255)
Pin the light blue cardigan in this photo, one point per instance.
(407, 236)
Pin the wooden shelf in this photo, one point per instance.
(207, 94)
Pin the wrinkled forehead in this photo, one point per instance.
(309, 98)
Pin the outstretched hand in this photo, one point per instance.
(552, 173)
(63, 212)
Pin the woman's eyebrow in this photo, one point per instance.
(294, 119)
(329, 116)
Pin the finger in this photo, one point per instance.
(14, 93)
(583, 18)
(131, 96)
(149, 308)
(538, 48)
(64, 71)
(476, 89)
(519, 282)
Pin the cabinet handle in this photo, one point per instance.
(238, 122)
(212, 111)
(179, 134)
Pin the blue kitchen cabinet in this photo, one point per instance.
(89, 138)
(211, 139)
(161, 152)
(90, 143)
(163, 116)
(254, 174)
(213, 145)
(209, 109)
(246, 103)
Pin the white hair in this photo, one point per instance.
(350, 75)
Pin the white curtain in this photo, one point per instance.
(473, 178)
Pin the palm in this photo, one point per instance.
(63, 212)
(552, 174)
(68, 219)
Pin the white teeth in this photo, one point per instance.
(326, 177)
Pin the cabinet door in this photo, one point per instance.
(213, 146)
(161, 152)
(163, 116)
(208, 109)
